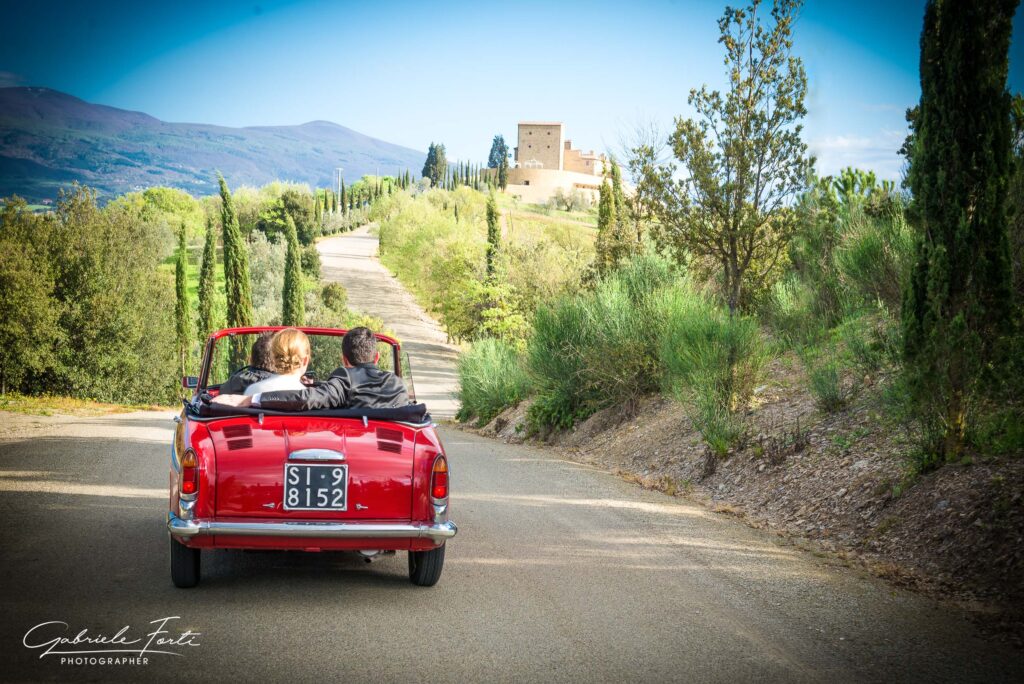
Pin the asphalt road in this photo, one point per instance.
(559, 573)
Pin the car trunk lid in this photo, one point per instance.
(252, 458)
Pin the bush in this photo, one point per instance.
(334, 296)
(311, 262)
(491, 378)
(875, 257)
(712, 362)
(825, 379)
(598, 348)
(872, 341)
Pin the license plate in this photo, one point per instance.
(317, 487)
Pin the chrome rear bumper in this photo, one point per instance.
(324, 530)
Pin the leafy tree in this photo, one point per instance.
(116, 308)
(183, 307)
(207, 283)
(237, 285)
(743, 156)
(28, 313)
(293, 311)
(958, 303)
(493, 234)
(436, 166)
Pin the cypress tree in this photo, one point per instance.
(318, 214)
(293, 309)
(959, 300)
(503, 173)
(207, 282)
(619, 244)
(182, 309)
(493, 234)
(605, 229)
(344, 197)
(334, 202)
(237, 285)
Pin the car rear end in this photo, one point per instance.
(310, 483)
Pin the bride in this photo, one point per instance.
(289, 351)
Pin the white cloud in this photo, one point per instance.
(9, 78)
(878, 153)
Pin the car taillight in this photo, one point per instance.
(189, 472)
(439, 479)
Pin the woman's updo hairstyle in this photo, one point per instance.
(288, 348)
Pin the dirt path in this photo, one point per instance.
(350, 259)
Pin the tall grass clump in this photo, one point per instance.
(712, 363)
(491, 378)
(875, 256)
(598, 348)
(825, 379)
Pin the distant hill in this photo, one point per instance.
(49, 139)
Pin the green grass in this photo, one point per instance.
(491, 378)
(46, 405)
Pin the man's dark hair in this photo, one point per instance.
(260, 356)
(359, 346)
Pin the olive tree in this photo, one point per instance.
(742, 159)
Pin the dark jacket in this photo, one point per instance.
(242, 378)
(363, 386)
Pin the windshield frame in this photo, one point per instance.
(396, 347)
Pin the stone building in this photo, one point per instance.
(545, 162)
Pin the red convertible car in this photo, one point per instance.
(364, 480)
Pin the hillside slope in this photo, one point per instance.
(49, 139)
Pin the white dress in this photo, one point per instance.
(275, 383)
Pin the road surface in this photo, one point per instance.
(560, 572)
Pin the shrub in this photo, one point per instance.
(311, 262)
(598, 348)
(491, 378)
(825, 379)
(872, 340)
(712, 362)
(875, 257)
(334, 296)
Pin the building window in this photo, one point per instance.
(549, 132)
(526, 182)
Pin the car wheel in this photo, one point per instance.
(425, 566)
(184, 565)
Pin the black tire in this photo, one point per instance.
(425, 566)
(184, 565)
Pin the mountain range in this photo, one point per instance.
(49, 139)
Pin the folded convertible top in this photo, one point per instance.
(413, 413)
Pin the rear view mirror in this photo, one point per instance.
(189, 381)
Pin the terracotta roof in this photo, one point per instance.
(541, 123)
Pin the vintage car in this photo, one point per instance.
(372, 481)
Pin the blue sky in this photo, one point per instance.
(459, 72)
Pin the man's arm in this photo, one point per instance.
(334, 393)
(241, 379)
